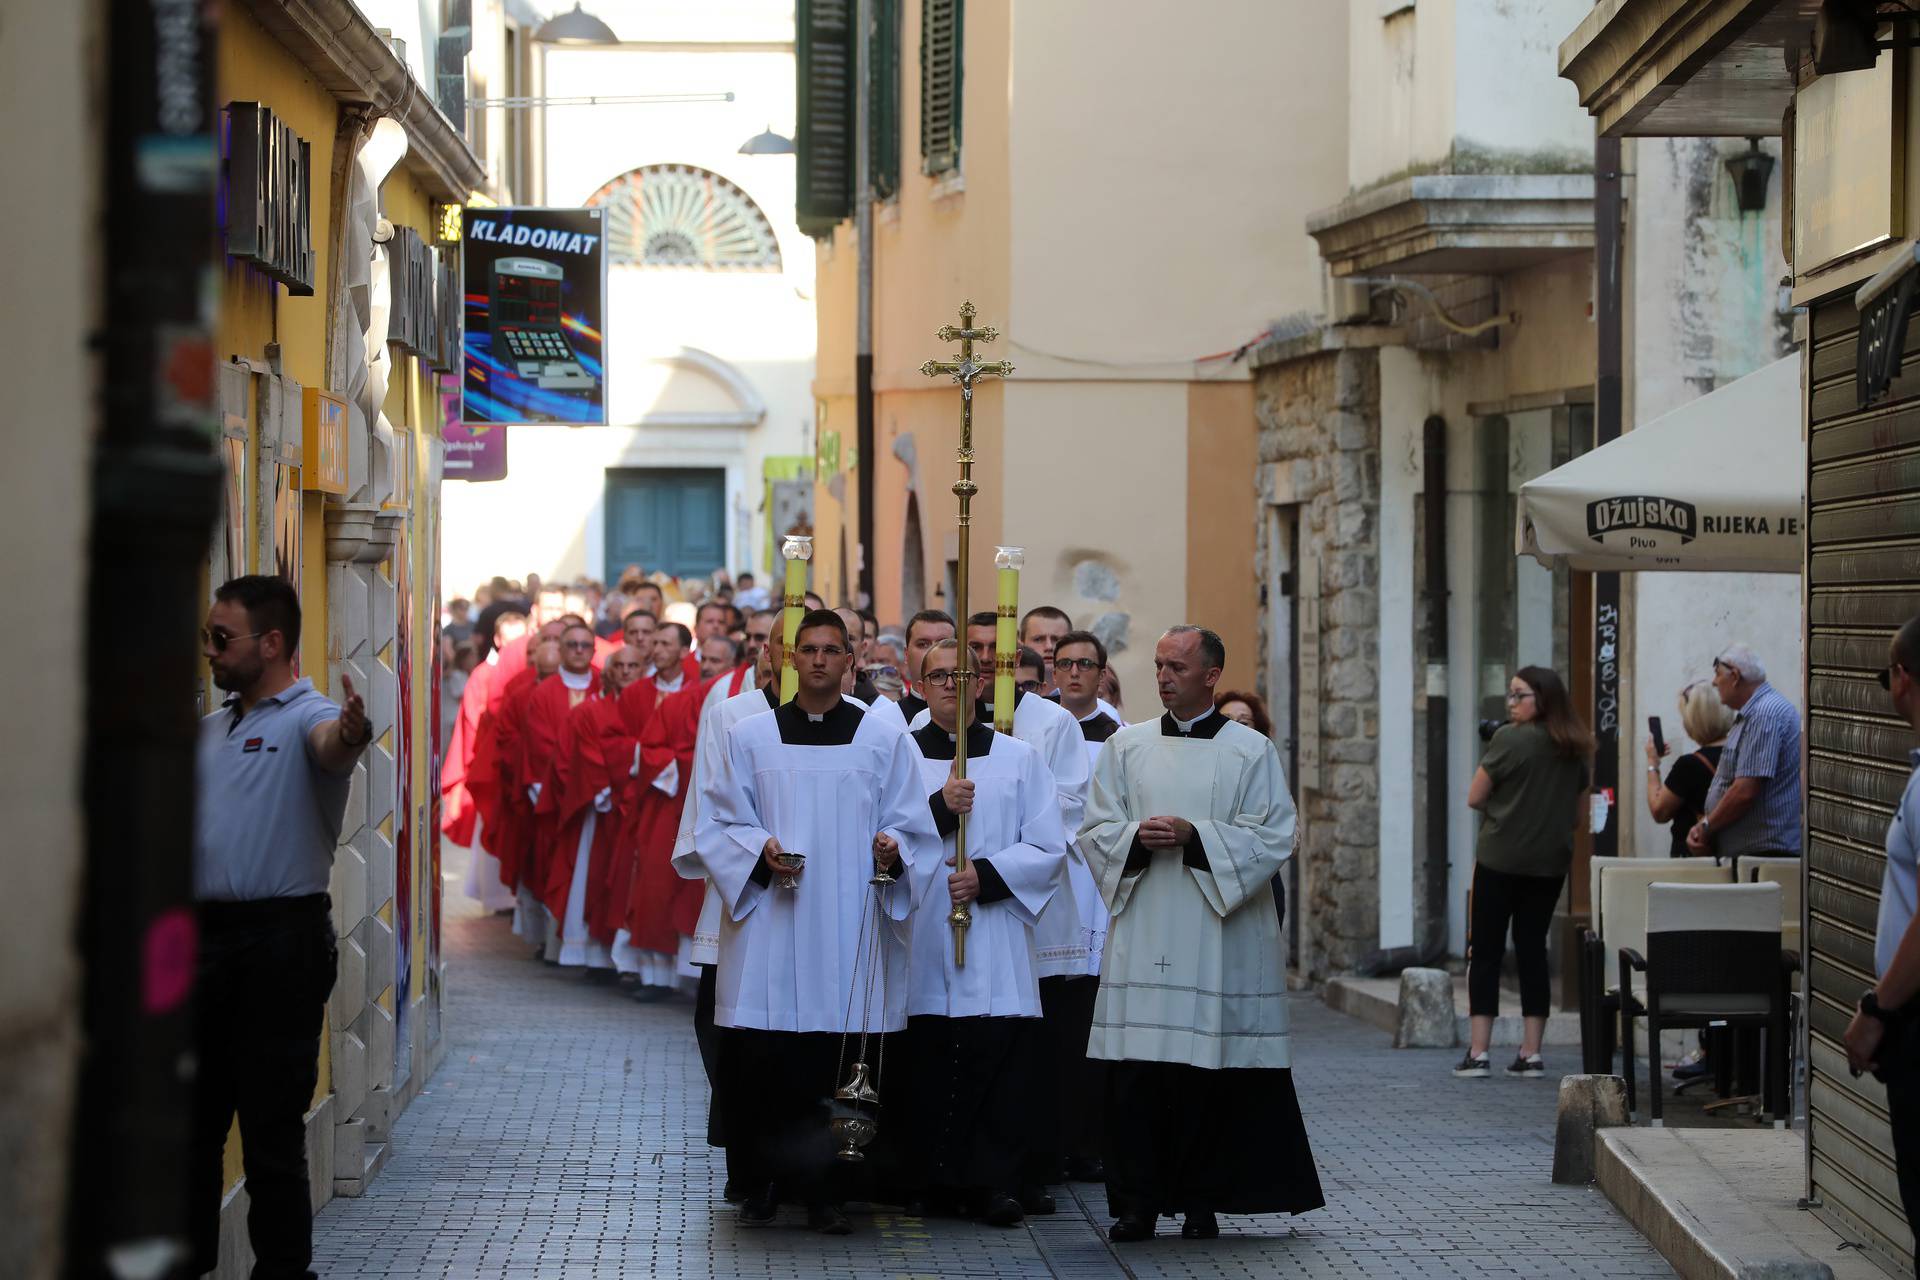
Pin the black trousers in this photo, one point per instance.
(265, 971)
(1524, 903)
(1903, 1115)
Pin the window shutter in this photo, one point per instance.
(940, 48)
(824, 49)
(884, 103)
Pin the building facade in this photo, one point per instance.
(1458, 349)
(1840, 102)
(1128, 264)
(710, 309)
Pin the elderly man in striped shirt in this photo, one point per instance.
(1753, 806)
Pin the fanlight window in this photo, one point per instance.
(679, 216)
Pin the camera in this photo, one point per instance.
(1490, 727)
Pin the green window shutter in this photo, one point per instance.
(941, 39)
(824, 52)
(884, 104)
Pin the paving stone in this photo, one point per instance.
(565, 1137)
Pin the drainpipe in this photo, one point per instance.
(863, 318)
(1608, 362)
(1433, 500)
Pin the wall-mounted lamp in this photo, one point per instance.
(1750, 171)
(768, 143)
(575, 27)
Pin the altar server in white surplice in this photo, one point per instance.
(821, 778)
(1187, 823)
(974, 1037)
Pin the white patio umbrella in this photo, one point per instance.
(1716, 486)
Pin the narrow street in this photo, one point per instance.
(563, 1138)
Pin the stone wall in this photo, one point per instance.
(1319, 417)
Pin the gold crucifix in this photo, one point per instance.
(965, 370)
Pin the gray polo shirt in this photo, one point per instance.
(1897, 884)
(267, 816)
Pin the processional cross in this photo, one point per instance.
(964, 370)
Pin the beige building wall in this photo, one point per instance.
(1125, 206)
(45, 74)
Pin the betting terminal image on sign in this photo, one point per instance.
(535, 285)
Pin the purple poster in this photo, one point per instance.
(475, 451)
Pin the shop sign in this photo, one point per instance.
(325, 442)
(269, 196)
(413, 272)
(534, 288)
(471, 451)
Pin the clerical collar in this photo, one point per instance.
(1204, 725)
(834, 728)
(936, 743)
(584, 680)
(665, 685)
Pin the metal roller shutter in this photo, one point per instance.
(1863, 581)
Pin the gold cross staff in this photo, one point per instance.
(965, 370)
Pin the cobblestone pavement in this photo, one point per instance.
(564, 1138)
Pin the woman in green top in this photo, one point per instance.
(1530, 790)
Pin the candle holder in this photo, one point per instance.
(797, 550)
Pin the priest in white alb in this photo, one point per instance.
(975, 1043)
(1186, 824)
(811, 954)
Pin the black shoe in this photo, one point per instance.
(1472, 1068)
(1532, 1068)
(733, 1194)
(1002, 1210)
(828, 1220)
(1087, 1170)
(1200, 1225)
(649, 995)
(760, 1208)
(1036, 1200)
(1130, 1227)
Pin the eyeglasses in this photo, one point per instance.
(1522, 696)
(939, 679)
(819, 651)
(220, 639)
(1076, 664)
(1027, 686)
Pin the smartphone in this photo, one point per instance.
(1659, 740)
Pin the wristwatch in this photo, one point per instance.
(1870, 1005)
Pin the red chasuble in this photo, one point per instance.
(584, 776)
(457, 811)
(663, 906)
(613, 873)
(507, 825)
(543, 748)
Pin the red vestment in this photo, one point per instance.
(663, 906)
(592, 729)
(457, 810)
(619, 747)
(544, 756)
(506, 815)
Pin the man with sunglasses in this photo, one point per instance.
(273, 769)
(1753, 806)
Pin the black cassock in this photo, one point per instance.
(973, 1105)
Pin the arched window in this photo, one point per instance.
(680, 217)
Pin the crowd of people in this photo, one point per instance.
(639, 795)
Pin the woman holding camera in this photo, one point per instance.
(1530, 790)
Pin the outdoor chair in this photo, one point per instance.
(1712, 960)
(1617, 899)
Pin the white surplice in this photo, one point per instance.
(1015, 829)
(1194, 967)
(1061, 937)
(577, 946)
(788, 957)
